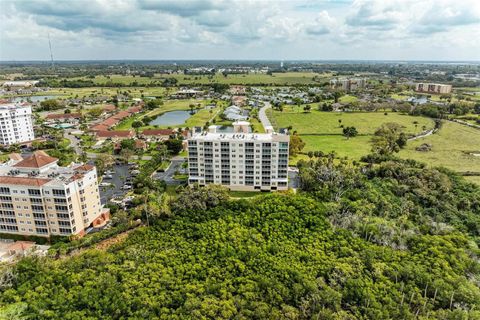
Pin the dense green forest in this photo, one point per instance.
(393, 240)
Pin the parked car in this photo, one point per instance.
(127, 187)
(107, 176)
(105, 184)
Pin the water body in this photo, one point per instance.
(33, 98)
(172, 118)
(224, 129)
(228, 129)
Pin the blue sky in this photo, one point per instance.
(242, 29)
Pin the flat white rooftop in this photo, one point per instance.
(13, 106)
(209, 136)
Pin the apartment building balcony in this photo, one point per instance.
(41, 230)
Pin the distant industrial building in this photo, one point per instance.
(239, 160)
(433, 88)
(17, 85)
(16, 125)
(348, 84)
(40, 198)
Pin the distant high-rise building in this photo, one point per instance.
(348, 84)
(434, 88)
(239, 160)
(16, 125)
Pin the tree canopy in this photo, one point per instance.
(392, 241)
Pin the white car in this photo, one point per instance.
(108, 176)
(105, 184)
(127, 187)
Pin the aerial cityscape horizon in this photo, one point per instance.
(221, 29)
(240, 159)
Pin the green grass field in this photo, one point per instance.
(321, 130)
(135, 92)
(327, 123)
(347, 99)
(452, 147)
(200, 118)
(288, 78)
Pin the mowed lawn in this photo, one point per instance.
(452, 147)
(135, 92)
(327, 123)
(287, 78)
(321, 130)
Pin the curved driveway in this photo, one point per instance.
(263, 116)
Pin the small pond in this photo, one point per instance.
(172, 118)
(228, 129)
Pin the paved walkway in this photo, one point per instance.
(423, 135)
(74, 142)
(263, 116)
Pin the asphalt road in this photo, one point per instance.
(167, 176)
(263, 116)
(74, 142)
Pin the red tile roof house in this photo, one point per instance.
(121, 115)
(115, 134)
(158, 134)
(239, 100)
(111, 121)
(109, 108)
(134, 109)
(100, 127)
(139, 145)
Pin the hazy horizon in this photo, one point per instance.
(245, 60)
(301, 30)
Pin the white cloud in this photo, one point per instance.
(102, 29)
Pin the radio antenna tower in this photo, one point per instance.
(51, 53)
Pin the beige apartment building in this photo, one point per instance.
(348, 84)
(433, 88)
(239, 160)
(40, 198)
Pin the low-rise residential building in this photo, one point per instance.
(114, 134)
(69, 117)
(433, 88)
(16, 125)
(40, 198)
(239, 160)
(158, 134)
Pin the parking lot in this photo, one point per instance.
(167, 175)
(119, 177)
